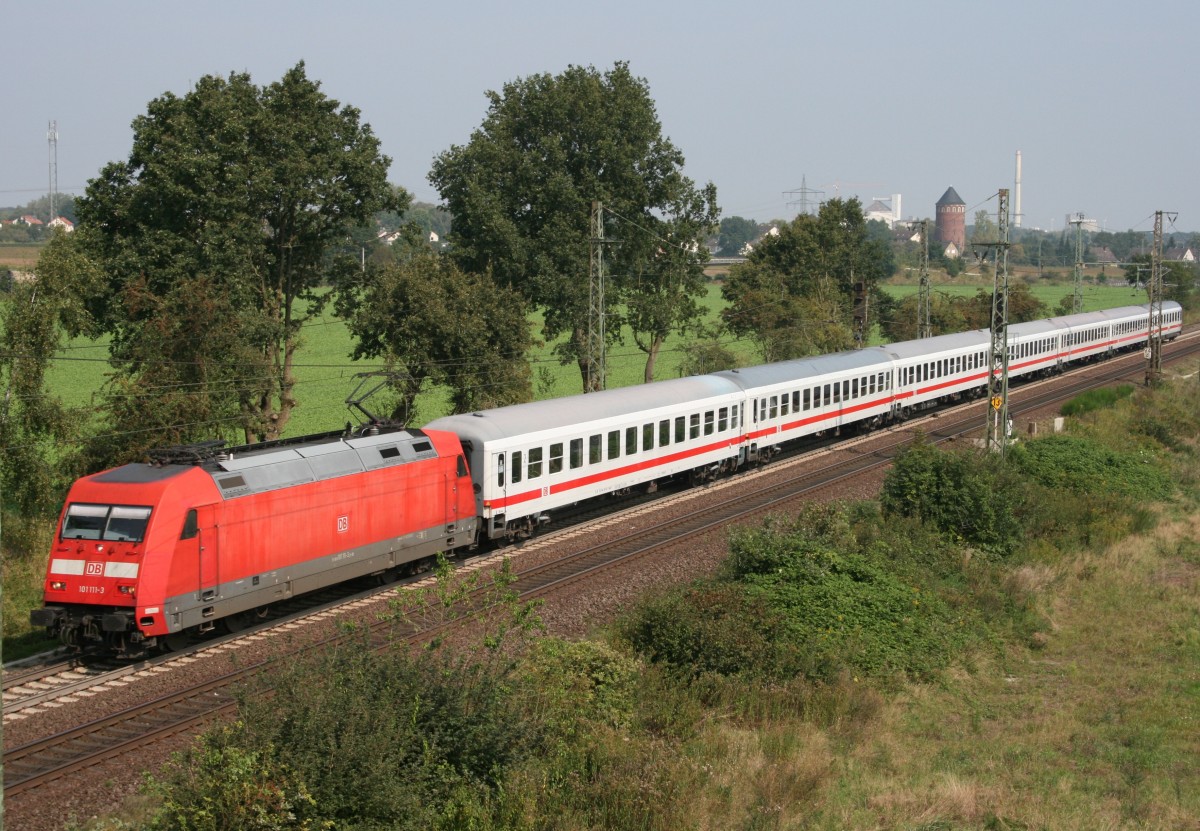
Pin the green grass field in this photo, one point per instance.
(326, 374)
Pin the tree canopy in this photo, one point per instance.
(432, 323)
(521, 191)
(212, 236)
(794, 293)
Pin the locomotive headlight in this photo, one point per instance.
(129, 590)
(58, 585)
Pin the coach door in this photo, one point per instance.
(496, 491)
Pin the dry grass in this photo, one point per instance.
(19, 257)
(1098, 727)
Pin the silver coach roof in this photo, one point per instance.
(799, 369)
(520, 419)
(940, 343)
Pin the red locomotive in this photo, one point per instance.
(147, 554)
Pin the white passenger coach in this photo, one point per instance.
(529, 460)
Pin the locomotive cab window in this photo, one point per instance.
(116, 523)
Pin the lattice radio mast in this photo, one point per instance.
(1077, 296)
(52, 137)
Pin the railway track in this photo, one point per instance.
(53, 757)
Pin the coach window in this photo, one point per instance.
(783, 404)
(535, 462)
(708, 423)
(614, 444)
(795, 401)
(576, 453)
(630, 441)
(648, 436)
(854, 388)
(680, 430)
(733, 416)
(517, 466)
(808, 399)
(500, 471)
(845, 390)
(595, 445)
(556, 458)
(694, 426)
(774, 406)
(837, 394)
(664, 433)
(723, 419)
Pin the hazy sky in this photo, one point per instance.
(855, 98)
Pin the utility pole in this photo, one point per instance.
(595, 330)
(924, 304)
(1155, 287)
(997, 419)
(1077, 297)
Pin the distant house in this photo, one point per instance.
(951, 252)
(1102, 255)
(62, 222)
(773, 231)
(1180, 255)
(29, 220)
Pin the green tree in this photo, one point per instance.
(433, 323)
(34, 425)
(793, 295)
(735, 232)
(521, 190)
(985, 229)
(663, 298)
(226, 216)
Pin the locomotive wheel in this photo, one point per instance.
(243, 620)
(176, 641)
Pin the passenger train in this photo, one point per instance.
(149, 554)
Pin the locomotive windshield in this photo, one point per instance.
(118, 523)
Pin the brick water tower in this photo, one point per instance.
(952, 220)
